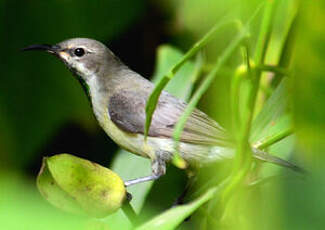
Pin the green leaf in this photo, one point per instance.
(270, 140)
(166, 57)
(273, 126)
(171, 218)
(274, 117)
(130, 166)
(22, 207)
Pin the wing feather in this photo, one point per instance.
(127, 111)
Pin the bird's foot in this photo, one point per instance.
(158, 170)
(140, 180)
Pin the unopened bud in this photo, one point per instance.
(80, 186)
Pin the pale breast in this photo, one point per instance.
(131, 142)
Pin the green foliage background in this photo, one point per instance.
(39, 99)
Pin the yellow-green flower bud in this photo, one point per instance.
(241, 70)
(80, 186)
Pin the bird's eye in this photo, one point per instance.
(79, 52)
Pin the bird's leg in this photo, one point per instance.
(158, 169)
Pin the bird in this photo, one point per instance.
(118, 97)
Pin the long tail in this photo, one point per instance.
(264, 156)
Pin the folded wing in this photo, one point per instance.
(127, 110)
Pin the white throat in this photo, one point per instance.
(99, 97)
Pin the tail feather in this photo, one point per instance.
(264, 156)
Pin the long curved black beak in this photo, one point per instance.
(45, 47)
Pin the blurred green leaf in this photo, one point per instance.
(308, 82)
(167, 56)
(302, 200)
(171, 218)
(130, 166)
(274, 122)
(274, 116)
(22, 207)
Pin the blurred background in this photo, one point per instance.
(43, 110)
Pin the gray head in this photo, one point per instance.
(83, 56)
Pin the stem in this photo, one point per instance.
(263, 181)
(273, 139)
(130, 213)
(153, 98)
(239, 75)
(234, 98)
(203, 87)
(265, 32)
(275, 69)
(243, 33)
(198, 67)
(243, 157)
(287, 47)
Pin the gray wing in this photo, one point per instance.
(127, 111)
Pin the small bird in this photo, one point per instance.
(118, 97)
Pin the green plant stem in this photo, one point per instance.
(198, 67)
(273, 139)
(265, 32)
(243, 33)
(234, 98)
(260, 182)
(287, 47)
(153, 98)
(130, 213)
(205, 84)
(243, 156)
(239, 75)
(275, 69)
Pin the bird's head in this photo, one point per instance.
(84, 57)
